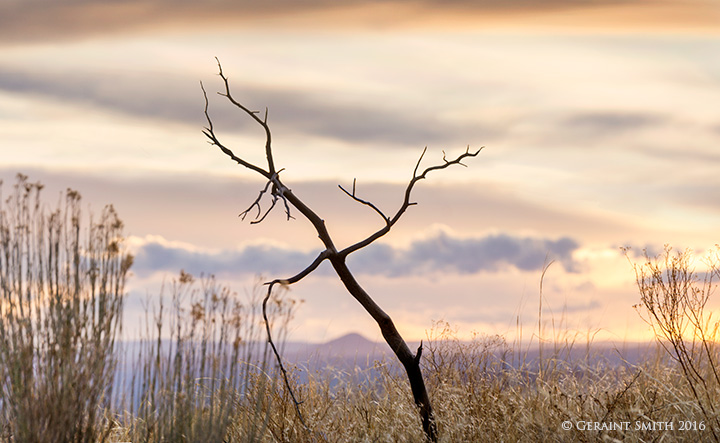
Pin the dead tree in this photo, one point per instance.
(279, 192)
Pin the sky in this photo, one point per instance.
(599, 121)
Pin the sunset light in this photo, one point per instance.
(599, 123)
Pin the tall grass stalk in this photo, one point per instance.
(61, 289)
(203, 369)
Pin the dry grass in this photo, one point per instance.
(479, 397)
(62, 290)
(199, 365)
(203, 372)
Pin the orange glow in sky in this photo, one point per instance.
(600, 124)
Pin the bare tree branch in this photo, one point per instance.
(305, 272)
(278, 189)
(302, 274)
(253, 114)
(277, 192)
(364, 202)
(256, 203)
(296, 403)
(406, 201)
(210, 133)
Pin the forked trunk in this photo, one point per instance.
(410, 361)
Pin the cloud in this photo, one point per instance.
(138, 95)
(444, 252)
(156, 254)
(39, 20)
(610, 123)
(439, 252)
(583, 306)
(291, 111)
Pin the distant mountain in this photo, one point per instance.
(350, 354)
(355, 351)
(351, 347)
(353, 344)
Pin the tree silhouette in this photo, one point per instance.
(279, 192)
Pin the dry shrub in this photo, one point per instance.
(62, 291)
(211, 375)
(673, 301)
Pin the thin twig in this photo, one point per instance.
(302, 274)
(255, 203)
(277, 354)
(364, 202)
(277, 192)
